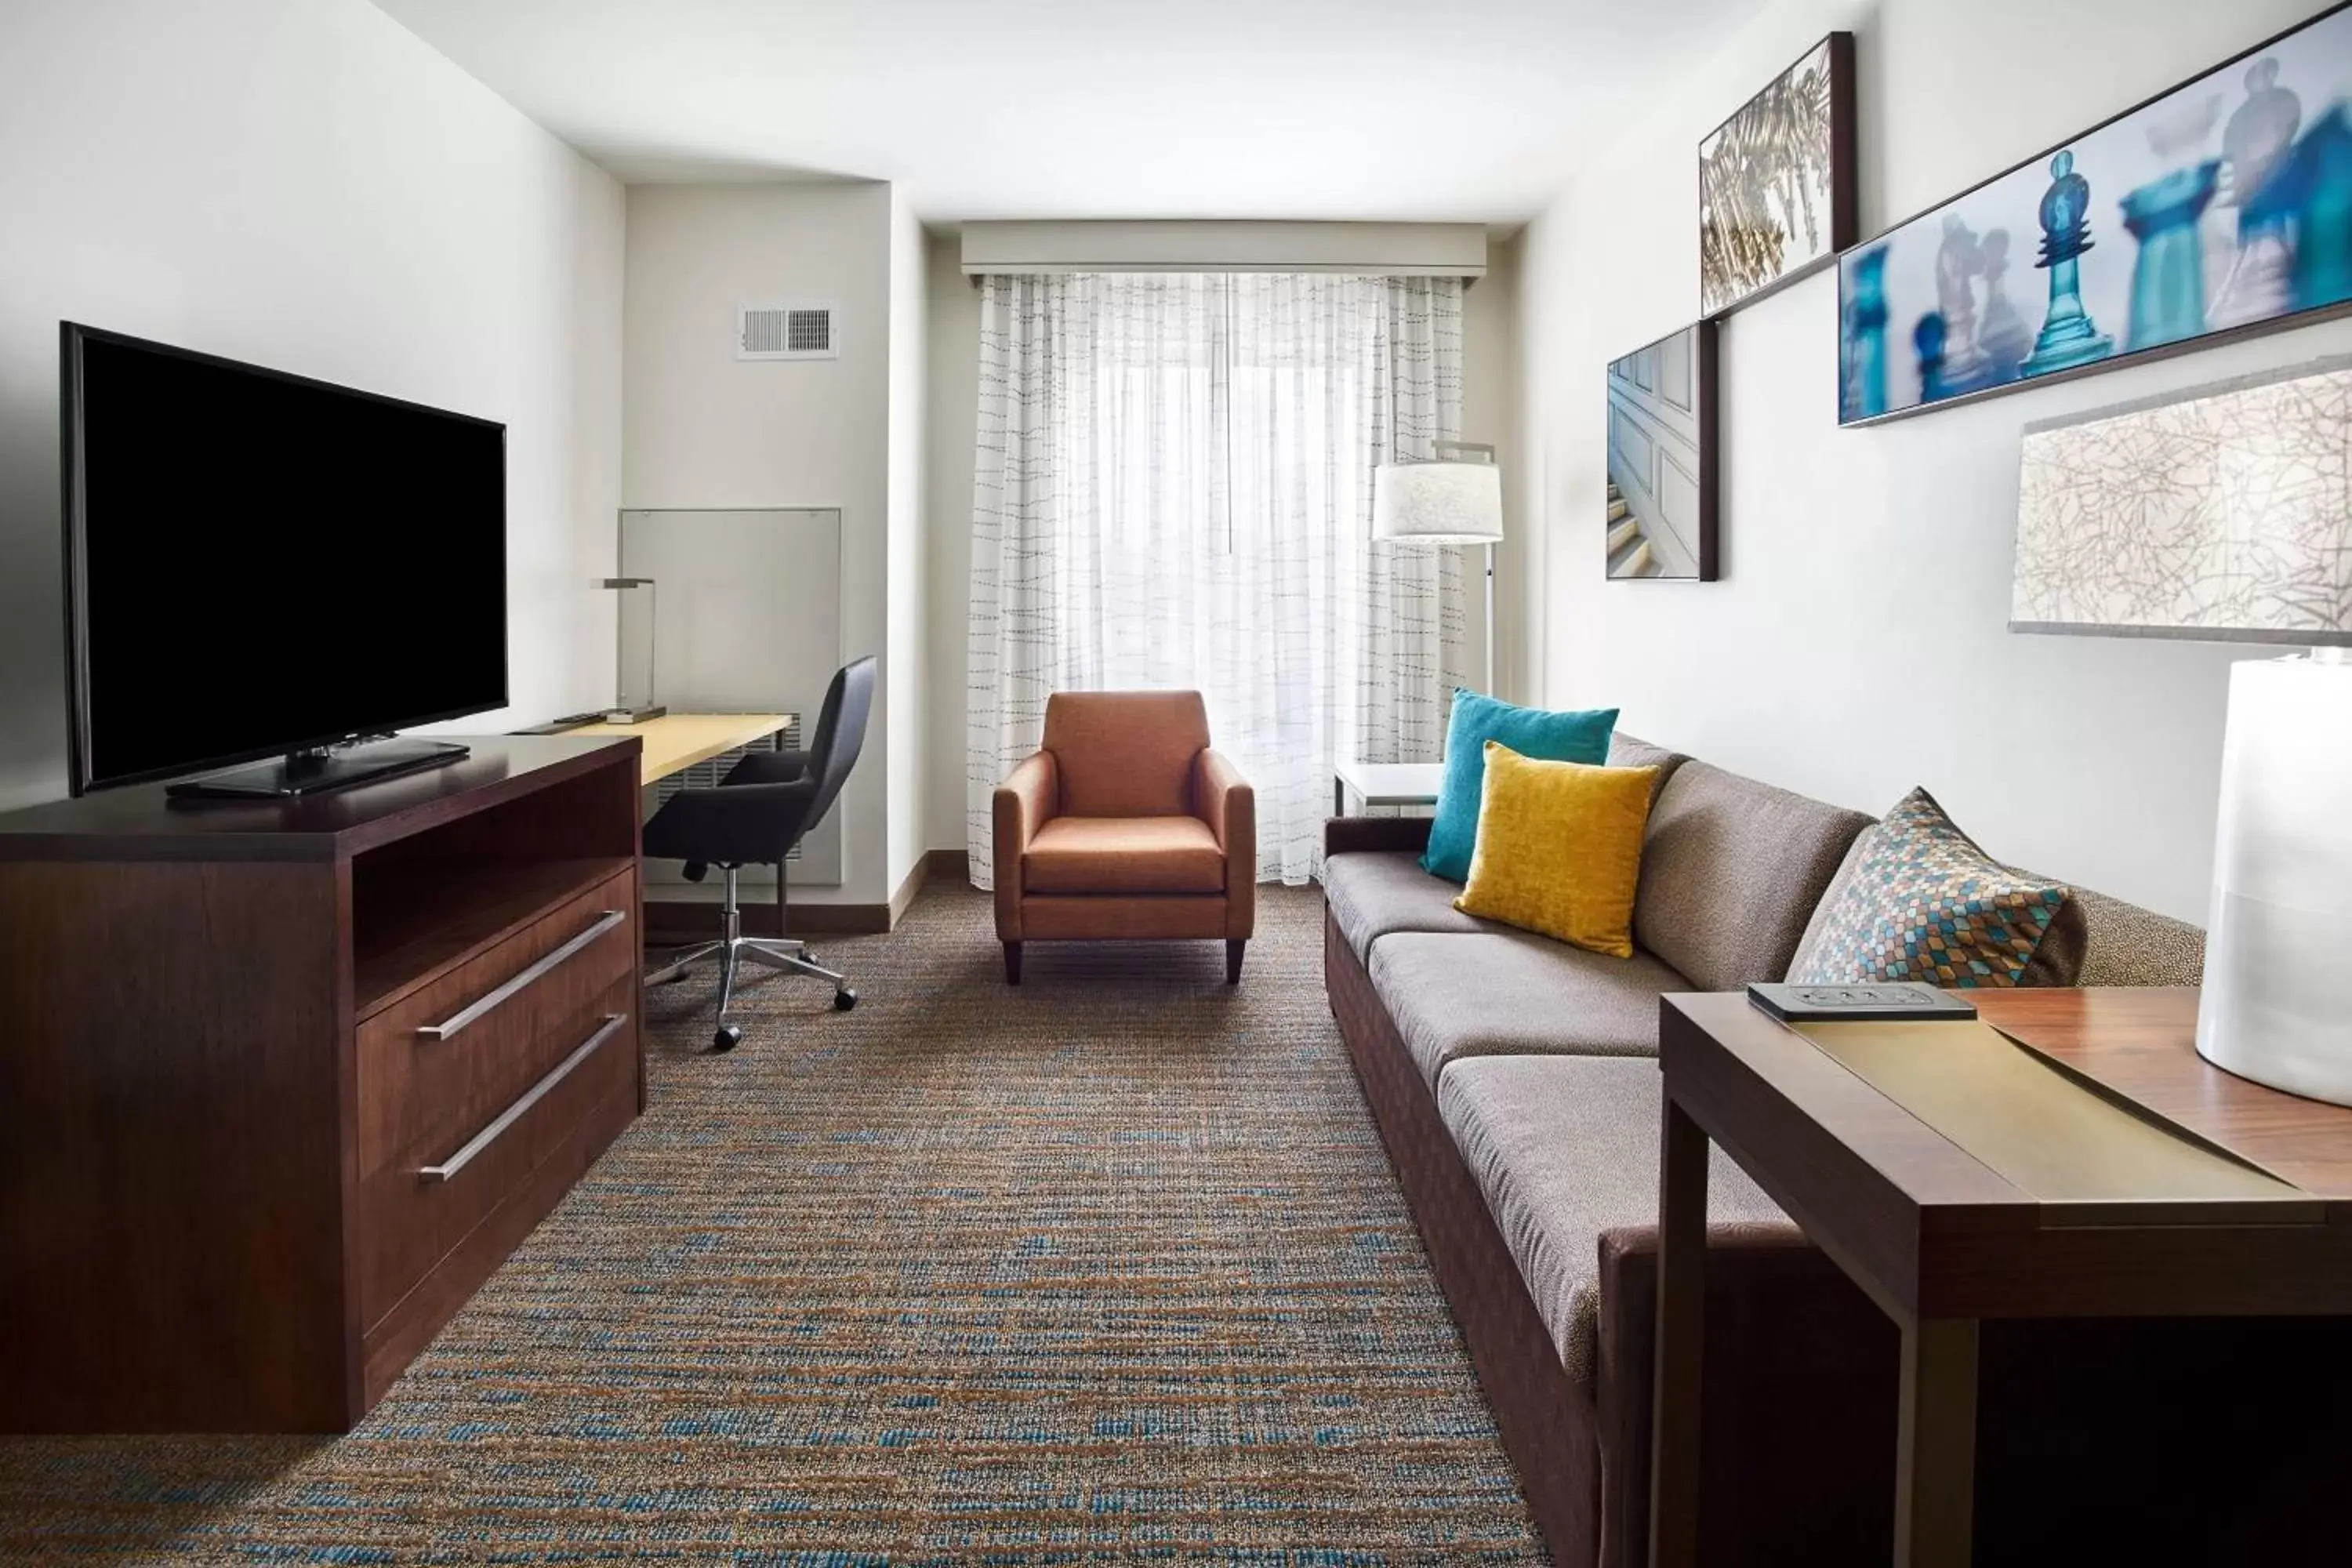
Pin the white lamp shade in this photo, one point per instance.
(1438, 503)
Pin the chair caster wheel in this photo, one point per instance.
(729, 1036)
(845, 999)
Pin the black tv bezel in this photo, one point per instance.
(71, 337)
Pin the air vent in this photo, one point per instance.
(785, 332)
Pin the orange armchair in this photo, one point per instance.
(1126, 828)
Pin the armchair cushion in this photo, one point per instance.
(1126, 753)
(1123, 855)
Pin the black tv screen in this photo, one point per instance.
(258, 563)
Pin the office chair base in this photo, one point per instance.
(783, 953)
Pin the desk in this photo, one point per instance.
(1386, 784)
(676, 741)
(2070, 1155)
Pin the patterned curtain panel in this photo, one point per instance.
(1174, 489)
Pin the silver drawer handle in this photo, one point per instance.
(532, 1096)
(457, 1021)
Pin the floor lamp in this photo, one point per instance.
(1456, 499)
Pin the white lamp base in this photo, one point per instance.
(2277, 1002)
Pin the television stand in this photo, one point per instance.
(319, 769)
(283, 1081)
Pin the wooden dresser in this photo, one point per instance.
(281, 1084)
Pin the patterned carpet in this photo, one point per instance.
(1109, 1268)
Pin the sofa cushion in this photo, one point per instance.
(1731, 872)
(1559, 849)
(1632, 751)
(1125, 754)
(1565, 1148)
(1123, 855)
(1509, 993)
(2124, 944)
(1373, 893)
(1579, 737)
(1917, 899)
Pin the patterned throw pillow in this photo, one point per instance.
(1917, 899)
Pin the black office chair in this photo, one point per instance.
(757, 814)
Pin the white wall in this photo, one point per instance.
(705, 429)
(952, 423)
(1490, 319)
(1858, 644)
(905, 667)
(304, 184)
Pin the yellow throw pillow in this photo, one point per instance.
(1559, 849)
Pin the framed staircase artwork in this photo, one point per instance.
(1662, 468)
(2214, 211)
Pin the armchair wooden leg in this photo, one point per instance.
(1234, 959)
(1013, 964)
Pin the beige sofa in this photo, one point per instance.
(1514, 1083)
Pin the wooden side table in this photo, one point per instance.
(2067, 1155)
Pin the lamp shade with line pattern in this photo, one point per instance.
(2223, 514)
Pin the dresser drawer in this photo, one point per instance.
(444, 1060)
(414, 1210)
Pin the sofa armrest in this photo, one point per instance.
(1349, 835)
(1799, 1399)
(1022, 804)
(1229, 805)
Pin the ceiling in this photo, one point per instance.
(1430, 109)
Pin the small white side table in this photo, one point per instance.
(1386, 784)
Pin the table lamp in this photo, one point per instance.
(2225, 514)
(1456, 500)
(623, 710)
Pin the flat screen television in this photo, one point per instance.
(259, 565)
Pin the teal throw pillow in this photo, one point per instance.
(1530, 731)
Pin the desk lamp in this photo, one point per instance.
(625, 712)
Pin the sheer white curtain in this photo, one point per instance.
(1174, 488)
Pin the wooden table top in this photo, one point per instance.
(676, 741)
(2141, 1043)
(2089, 1163)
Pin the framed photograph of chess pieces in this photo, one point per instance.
(1661, 468)
(1775, 182)
(2218, 209)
